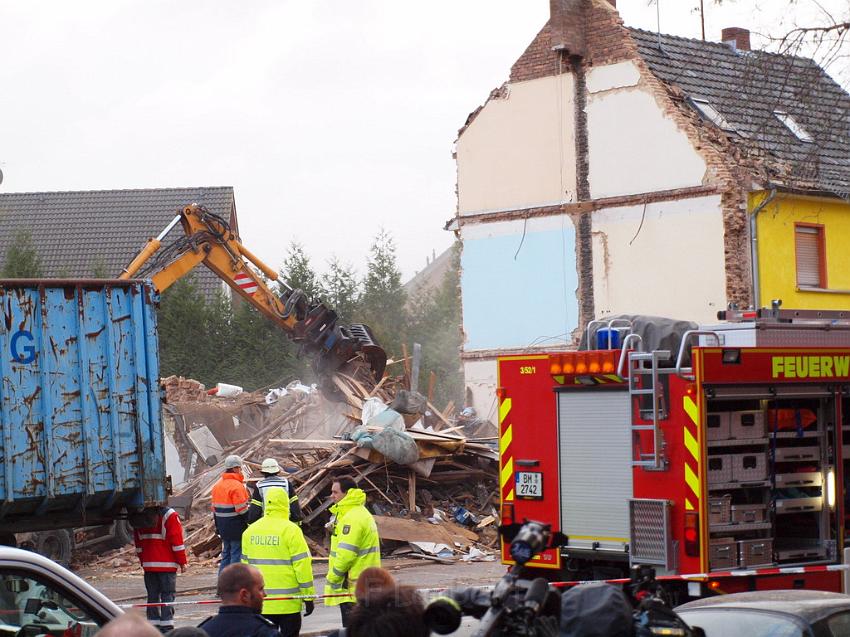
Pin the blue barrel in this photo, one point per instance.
(602, 338)
(81, 432)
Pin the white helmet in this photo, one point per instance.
(270, 465)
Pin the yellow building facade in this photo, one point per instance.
(803, 248)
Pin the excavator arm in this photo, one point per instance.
(208, 239)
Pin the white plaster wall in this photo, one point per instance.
(633, 146)
(519, 151)
(666, 262)
(481, 384)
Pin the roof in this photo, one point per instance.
(806, 604)
(81, 234)
(746, 87)
(431, 277)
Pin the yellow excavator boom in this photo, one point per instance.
(208, 239)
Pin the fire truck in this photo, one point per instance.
(719, 459)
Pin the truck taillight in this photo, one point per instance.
(692, 534)
(507, 513)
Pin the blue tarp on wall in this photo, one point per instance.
(518, 299)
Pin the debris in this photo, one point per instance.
(414, 462)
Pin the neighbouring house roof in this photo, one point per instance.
(769, 105)
(431, 277)
(78, 234)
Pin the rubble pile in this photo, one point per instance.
(430, 484)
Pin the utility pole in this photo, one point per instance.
(702, 18)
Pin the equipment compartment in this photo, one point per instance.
(720, 510)
(749, 467)
(794, 454)
(749, 513)
(717, 426)
(746, 425)
(802, 479)
(799, 505)
(723, 554)
(719, 469)
(755, 552)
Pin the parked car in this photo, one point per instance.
(781, 613)
(39, 597)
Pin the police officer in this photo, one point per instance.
(241, 589)
(271, 478)
(277, 547)
(355, 545)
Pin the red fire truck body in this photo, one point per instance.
(731, 465)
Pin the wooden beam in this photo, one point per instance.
(411, 491)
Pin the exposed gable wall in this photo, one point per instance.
(634, 145)
(516, 153)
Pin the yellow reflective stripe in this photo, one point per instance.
(691, 444)
(506, 438)
(691, 409)
(510, 496)
(507, 472)
(692, 480)
(688, 505)
(504, 409)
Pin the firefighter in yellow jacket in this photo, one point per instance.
(277, 547)
(355, 545)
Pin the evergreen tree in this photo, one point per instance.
(435, 323)
(297, 272)
(22, 261)
(382, 303)
(184, 333)
(340, 289)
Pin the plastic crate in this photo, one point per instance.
(748, 513)
(747, 425)
(719, 469)
(749, 467)
(717, 426)
(722, 554)
(755, 552)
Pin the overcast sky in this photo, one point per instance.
(330, 118)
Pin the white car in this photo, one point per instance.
(40, 598)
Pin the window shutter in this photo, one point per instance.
(808, 257)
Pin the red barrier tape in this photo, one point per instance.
(790, 570)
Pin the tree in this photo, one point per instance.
(22, 261)
(297, 272)
(382, 303)
(185, 347)
(340, 288)
(435, 323)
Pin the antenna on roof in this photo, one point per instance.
(658, 21)
(702, 18)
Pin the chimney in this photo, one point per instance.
(566, 22)
(736, 37)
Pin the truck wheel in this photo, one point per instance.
(122, 534)
(55, 545)
(7, 539)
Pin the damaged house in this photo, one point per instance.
(623, 171)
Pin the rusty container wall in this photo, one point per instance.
(80, 422)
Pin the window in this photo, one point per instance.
(794, 126)
(811, 255)
(32, 607)
(712, 114)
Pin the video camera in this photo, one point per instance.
(528, 607)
